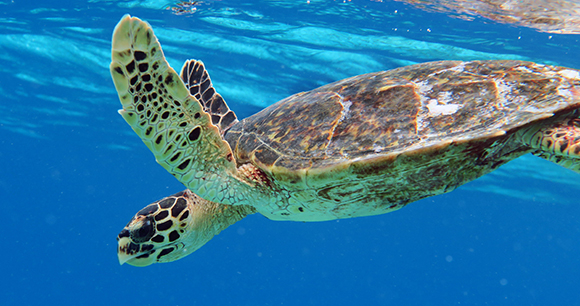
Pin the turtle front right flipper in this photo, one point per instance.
(170, 121)
(558, 142)
(198, 82)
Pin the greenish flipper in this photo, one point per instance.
(559, 143)
(198, 82)
(170, 121)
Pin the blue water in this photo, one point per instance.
(72, 173)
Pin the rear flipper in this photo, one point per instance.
(558, 143)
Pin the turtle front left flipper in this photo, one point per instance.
(169, 120)
(558, 142)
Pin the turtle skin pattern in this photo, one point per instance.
(199, 85)
(169, 120)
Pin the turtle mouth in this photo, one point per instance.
(135, 260)
(134, 253)
(130, 259)
(141, 255)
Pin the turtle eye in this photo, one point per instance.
(143, 231)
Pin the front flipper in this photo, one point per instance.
(197, 81)
(559, 143)
(170, 121)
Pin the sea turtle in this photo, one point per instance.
(366, 145)
(543, 15)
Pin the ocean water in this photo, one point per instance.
(72, 172)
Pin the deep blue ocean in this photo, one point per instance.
(72, 172)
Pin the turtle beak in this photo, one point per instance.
(123, 258)
(133, 254)
(125, 250)
(122, 254)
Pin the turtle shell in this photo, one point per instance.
(407, 110)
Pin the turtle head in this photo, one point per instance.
(162, 231)
(156, 233)
(173, 228)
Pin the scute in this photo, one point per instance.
(406, 110)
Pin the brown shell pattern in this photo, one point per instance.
(402, 110)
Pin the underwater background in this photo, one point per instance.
(73, 173)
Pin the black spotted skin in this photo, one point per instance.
(198, 82)
(153, 225)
